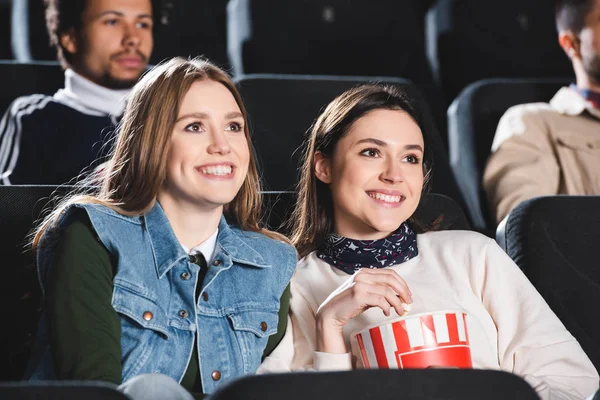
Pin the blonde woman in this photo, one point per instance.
(365, 259)
(164, 268)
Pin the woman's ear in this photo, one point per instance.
(322, 167)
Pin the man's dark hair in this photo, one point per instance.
(570, 14)
(64, 15)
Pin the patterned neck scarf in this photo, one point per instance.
(350, 255)
(589, 95)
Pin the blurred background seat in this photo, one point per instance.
(193, 28)
(472, 121)
(469, 40)
(554, 240)
(282, 108)
(20, 206)
(21, 79)
(337, 37)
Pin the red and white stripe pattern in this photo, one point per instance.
(417, 342)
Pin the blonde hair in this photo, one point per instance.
(136, 169)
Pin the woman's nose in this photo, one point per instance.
(393, 172)
(219, 144)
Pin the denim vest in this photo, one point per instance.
(154, 296)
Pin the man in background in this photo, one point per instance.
(103, 46)
(548, 149)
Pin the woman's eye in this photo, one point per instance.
(111, 21)
(412, 159)
(195, 127)
(235, 127)
(370, 153)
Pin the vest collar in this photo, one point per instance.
(168, 250)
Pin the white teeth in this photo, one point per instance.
(386, 197)
(217, 170)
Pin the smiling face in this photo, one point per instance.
(375, 174)
(209, 154)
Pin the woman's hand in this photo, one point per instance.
(382, 288)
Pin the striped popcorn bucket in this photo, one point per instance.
(418, 341)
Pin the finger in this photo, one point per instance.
(390, 297)
(374, 300)
(392, 280)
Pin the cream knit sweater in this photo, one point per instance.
(509, 324)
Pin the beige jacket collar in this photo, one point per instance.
(568, 101)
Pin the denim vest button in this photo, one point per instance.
(263, 326)
(205, 296)
(216, 375)
(183, 313)
(194, 259)
(216, 263)
(185, 276)
(148, 315)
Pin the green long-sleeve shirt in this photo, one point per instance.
(84, 328)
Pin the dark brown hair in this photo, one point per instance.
(312, 219)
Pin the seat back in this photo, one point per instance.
(20, 206)
(282, 108)
(470, 40)
(431, 384)
(338, 37)
(20, 79)
(472, 121)
(194, 28)
(60, 390)
(554, 240)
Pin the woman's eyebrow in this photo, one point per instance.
(372, 140)
(384, 144)
(203, 115)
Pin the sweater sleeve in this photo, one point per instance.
(297, 349)
(532, 341)
(84, 328)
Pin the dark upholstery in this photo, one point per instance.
(20, 206)
(282, 108)
(428, 384)
(5, 26)
(441, 213)
(336, 37)
(554, 240)
(194, 28)
(60, 390)
(469, 40)
(472, 121)
(20, 79)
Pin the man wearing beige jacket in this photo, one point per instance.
(547, 149)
